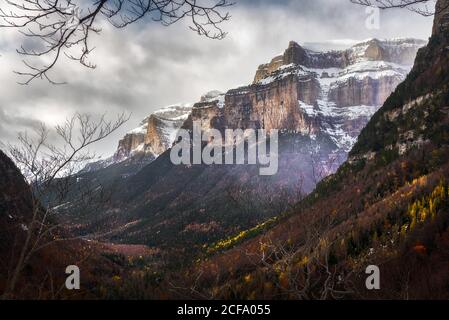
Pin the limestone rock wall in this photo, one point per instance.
(367, 92)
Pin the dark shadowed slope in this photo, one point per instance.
(42, 275)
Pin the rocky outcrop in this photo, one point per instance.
(162, 128)
(271, 106)
(154, 135)
(265, 69)
(295, 54)
(153, 139)
(332, 93)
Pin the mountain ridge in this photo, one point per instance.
(338, 100)
(178, 209)
(389, 209)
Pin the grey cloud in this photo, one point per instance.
(148, 66)
(11, 124)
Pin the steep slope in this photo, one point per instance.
(16, 209)
(302, 91)
(388, 205)
(15, 203)
(154, 135)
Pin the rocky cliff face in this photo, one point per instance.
(441, 22)
(302, 92)
(297, 55)
(363, 92)
(399, 51)
(152, 137)
(162, 127)
(155, 134)
(272, 105)
(306, 92)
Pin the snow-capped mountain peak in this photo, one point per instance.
(332, 94)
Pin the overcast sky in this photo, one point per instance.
(147, 66)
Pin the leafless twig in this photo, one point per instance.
(63, 27)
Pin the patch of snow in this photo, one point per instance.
(142, 129)
(169, 131)
(355, 112)
(340, 137)
(221, 101)
(174, 111)
(283, 72)
(309, 110)
(181, 117)
(373, 70)
(211, 95)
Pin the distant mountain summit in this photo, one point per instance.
(155, 134)
(399, 51)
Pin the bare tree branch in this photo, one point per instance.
(64, 27)
(423, 7)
